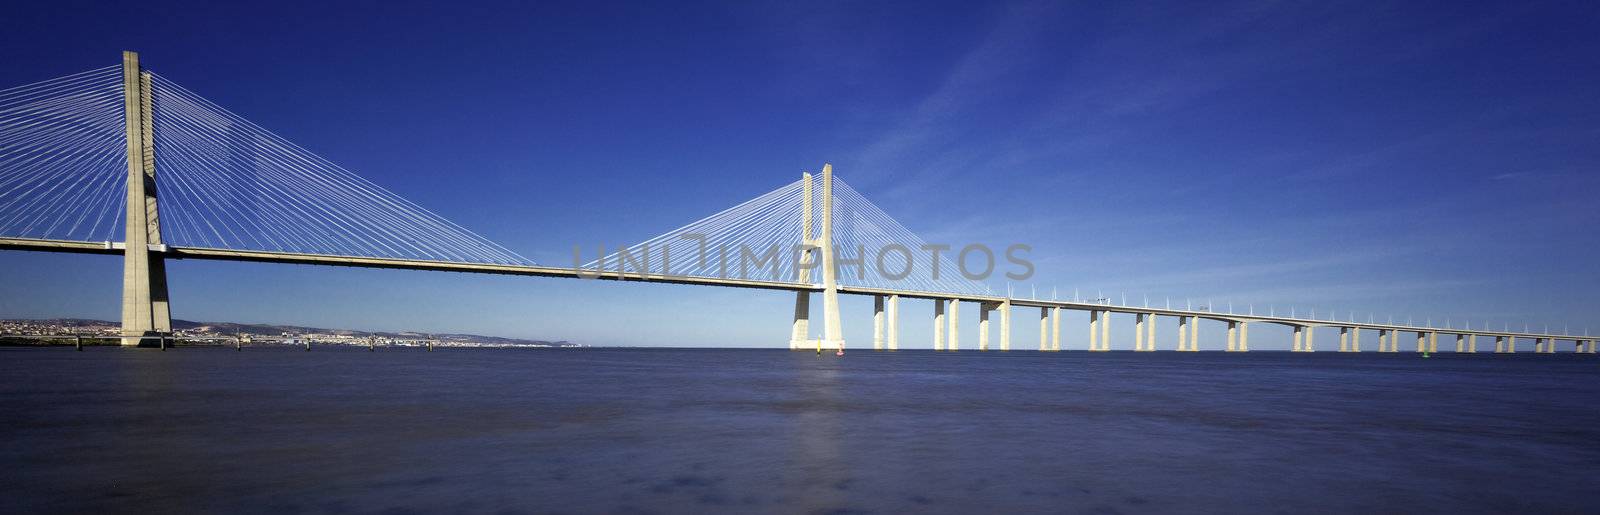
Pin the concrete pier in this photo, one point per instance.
(1044, 329)
(1138, 332)
(1472, 344)
(1150, 333)
(1194, 334)
(1461, 343)
(1055, 329)
(1105, 331)
(894, 322)
(1511, 344)
(983, 327)
(1244, 336)
(1433, 341)
(1233, 336)
(877, 322)
(1005, 325)
(938, 324)
(1094, 330)
(1298, 344)
(955, 326)
(1183, 333)
(1355, 339)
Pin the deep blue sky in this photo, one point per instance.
(1423, 160)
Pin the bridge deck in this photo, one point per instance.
(114, 248)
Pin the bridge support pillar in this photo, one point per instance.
(1344, 339)
(894, 322)
(1355, 339)
(983, 326)
(1005, 325)
(1244, 336)
(1511, 344)
(1461, 343)
(877, 322)
(1094, 330)
(1138, 332)
(832, 331)
(955, 326)
(1472, 344)
(1299, 337)
(1233, 336)
(1183, 333)
(1538, 345)
(800, 334)
(1105, 331)
(1044, 329)
(1433, 341)
(1194, 334)
(1055, 328)
(938, 324)
(1150, 333)
(146, 316)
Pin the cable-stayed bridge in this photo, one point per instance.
(123, 161)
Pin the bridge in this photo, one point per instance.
(79, 163)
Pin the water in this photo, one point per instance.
(277, 430)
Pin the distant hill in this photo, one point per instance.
(234, 328)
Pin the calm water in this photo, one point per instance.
(691, 431)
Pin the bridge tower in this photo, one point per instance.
(833, 337)
(146, 317)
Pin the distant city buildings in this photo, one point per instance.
(265, 334)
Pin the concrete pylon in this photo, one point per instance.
(1244, 336)
(1344, 339)
(938, 324)
(1355, 339)
(1299, 338)
(146, 315)
(1472, 344)
(833, 333)
(801, 332)
(1433, 341)
(1461, 343)
(1511, 344)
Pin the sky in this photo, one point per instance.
(1426, 161)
